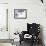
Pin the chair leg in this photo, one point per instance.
(32, 42)
(20, 42)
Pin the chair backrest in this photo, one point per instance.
(33, 28)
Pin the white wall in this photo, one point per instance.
(35, 13)
(3, 1)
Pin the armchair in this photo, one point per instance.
(33, 30)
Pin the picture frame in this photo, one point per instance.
(20, 13)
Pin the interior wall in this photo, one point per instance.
(3, 1)
(35, 14)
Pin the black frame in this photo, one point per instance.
(20, 11)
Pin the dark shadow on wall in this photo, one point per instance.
(41, 35)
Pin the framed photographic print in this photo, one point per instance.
(20, 13)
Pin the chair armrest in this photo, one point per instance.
(22, 35)
(24, 32)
